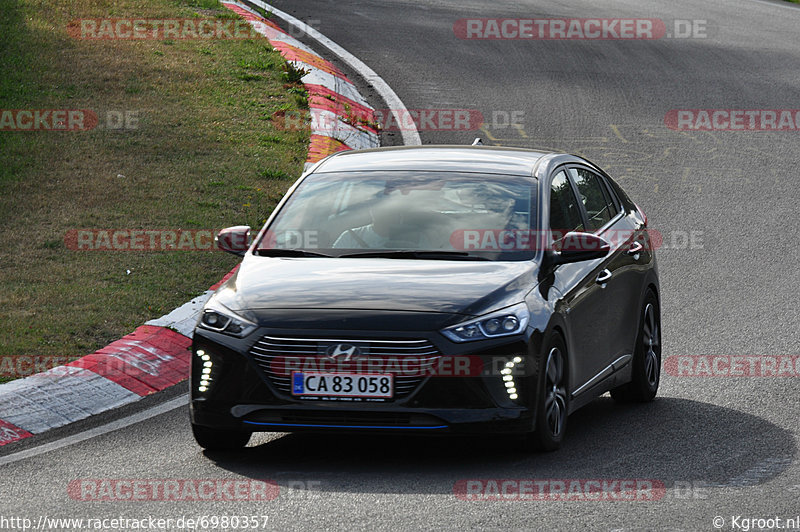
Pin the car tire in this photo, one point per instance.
(646, 371)
(553, 404)
(219, 440)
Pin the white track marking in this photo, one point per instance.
(58, 397)
(172, 404)
(773, 4)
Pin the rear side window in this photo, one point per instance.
(596, 199)
(565, 214)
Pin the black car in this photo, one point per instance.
(436, 289)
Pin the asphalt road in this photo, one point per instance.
(721, 446)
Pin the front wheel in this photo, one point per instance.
(551, 411)
(646, 371)
(218, 440)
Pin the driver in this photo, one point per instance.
(385, 231)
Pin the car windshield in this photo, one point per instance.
(428, 215)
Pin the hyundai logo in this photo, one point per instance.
(345, 352)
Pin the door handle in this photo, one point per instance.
(603, 277)
(635, 248)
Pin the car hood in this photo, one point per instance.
(453, 287)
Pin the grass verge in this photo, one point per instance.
(203, 154)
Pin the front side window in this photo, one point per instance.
(565, 214)
(344, 213)
(595, 198)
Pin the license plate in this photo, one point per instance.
(342, 384)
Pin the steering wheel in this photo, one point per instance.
(357, 238)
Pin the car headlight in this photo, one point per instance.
(505, 322)
(219, 318)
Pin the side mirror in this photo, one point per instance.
(234, 239)
(578, 247)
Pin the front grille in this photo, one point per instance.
(414, 357)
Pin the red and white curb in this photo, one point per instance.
(337, 110)
(156, 355)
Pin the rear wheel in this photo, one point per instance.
(551, 415)
(646, 371)
(218, 440)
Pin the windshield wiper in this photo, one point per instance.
(418, 254)
(278, 252)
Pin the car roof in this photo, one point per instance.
(482, 159)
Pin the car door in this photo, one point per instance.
(605, 217)
(583, 298)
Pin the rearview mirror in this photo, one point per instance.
(578, 247)
(234, 239)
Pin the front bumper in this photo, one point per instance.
(239, 394)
